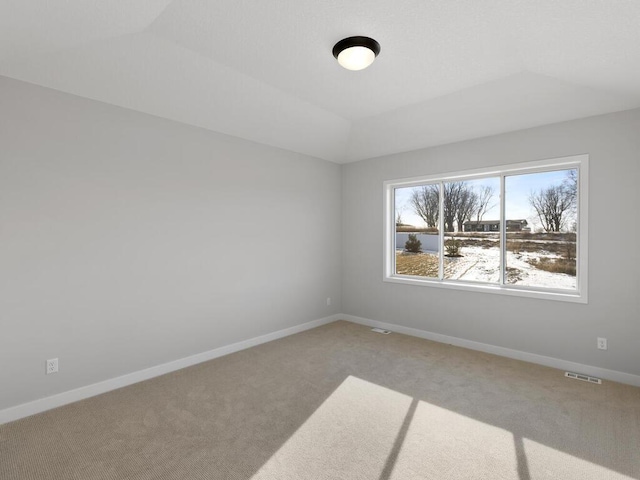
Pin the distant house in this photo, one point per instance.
(494, 226)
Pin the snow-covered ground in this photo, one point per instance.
(483, 265)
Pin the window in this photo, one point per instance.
(516, 229)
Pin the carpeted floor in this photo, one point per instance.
(339, 402)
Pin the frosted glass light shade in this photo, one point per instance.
(356, 58)
(356, 53)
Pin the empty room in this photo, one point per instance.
(313, 240)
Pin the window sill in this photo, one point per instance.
(558, 295)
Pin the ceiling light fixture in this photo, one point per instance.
(356, 53)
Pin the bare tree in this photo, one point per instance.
(552, 205)
(570, 184)
(425, 203)
(399, 212)
(467, 206)
(453, 194)
(485, 195)
(461, 202)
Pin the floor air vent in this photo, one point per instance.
(584, 378)
(380, 330)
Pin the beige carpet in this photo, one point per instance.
(339, 402)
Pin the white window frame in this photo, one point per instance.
(579, 295)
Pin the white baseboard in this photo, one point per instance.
(26, 409)
(564, 365)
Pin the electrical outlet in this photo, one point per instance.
(328, 301)
(52, 366)
(602, 343)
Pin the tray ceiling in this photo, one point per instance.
(263, 71)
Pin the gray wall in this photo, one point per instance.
(127, 241)
(561, 330)
(115, 252)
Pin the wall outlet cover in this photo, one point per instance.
(51, 366)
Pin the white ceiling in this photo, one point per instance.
(449, 70)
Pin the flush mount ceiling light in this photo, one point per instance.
(356, 53)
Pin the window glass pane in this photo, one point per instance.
(416, 230)
(542, 221)
(471, 216)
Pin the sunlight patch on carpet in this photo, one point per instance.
(365, 431)
(349, 436)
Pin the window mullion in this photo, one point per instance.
(441, 231)
(393, 233)
(503, 233)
